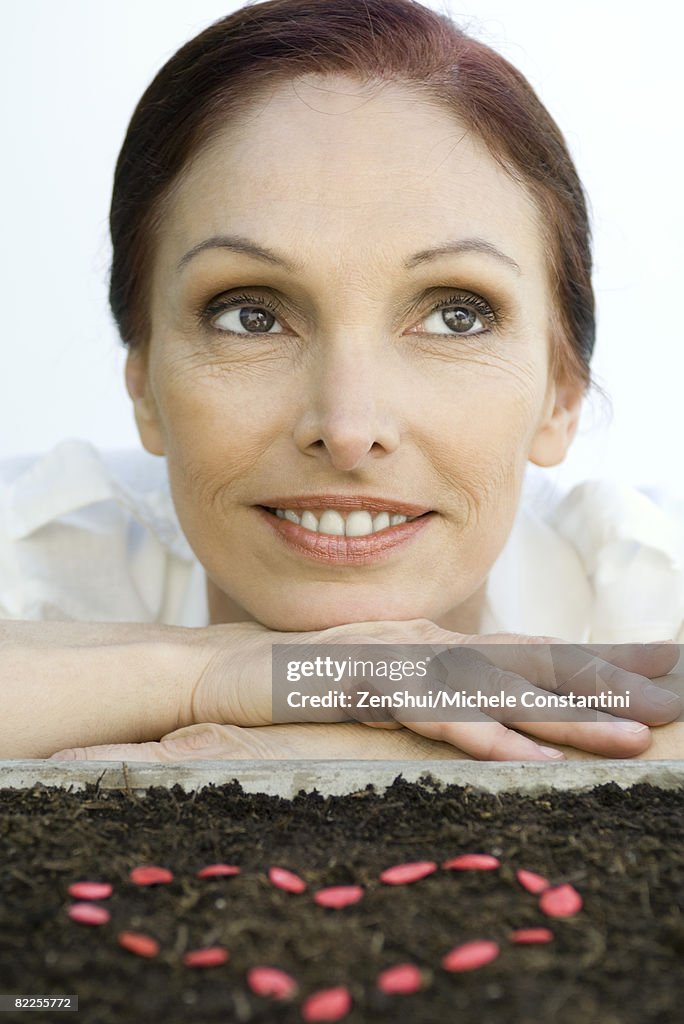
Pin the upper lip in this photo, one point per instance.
(345, 502)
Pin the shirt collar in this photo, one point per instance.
(72, 476)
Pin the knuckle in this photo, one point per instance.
(497, 748)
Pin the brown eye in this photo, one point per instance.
(459, 314)
(253, 315)
(459, 319)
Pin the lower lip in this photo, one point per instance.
(325, 547)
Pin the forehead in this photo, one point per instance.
(327, 159)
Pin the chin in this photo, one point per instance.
(326, 614)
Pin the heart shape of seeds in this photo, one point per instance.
(331, 1004)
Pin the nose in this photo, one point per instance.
(347, 412)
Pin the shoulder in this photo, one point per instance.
(631, 545)
(87, 534)
(603, 562)
(609, 522)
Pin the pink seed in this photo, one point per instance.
(138, 943)
(327, 1004)
(530, 935)
(531, 882)
(270, 981)
(401, 874)
(400, 980)
(88, 913)
(338, 896)
(470, 955)
(212, 956)
(217, 870)
(150, 874)
(287, 880)
(90, 890)
(481, 861)
(562, 901)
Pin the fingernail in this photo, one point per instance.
(551, 752)
(63, 755)
(660, 696)
(630, 726)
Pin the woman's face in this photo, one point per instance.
(353, 367)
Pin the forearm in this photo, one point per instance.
(67, 684)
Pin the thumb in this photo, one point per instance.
(113, 752)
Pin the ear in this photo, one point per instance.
(144, 406)
(558, 424)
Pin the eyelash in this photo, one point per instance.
(214, 308)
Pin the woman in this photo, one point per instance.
(351, 264)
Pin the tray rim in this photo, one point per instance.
(337, 777)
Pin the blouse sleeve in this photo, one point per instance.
(78, 542)
(632, 549)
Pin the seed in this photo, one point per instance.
(212, 956)
(327, 1004)
(532, 882)
(562, 901)
(150, 874)
(338, 896)
(90, 890)
(470, 955)
(88, 913)
(270, 981)
(400, 980)
(217, 870)
(287, 880)
(531, 935)
(481, 861)
(401, 874)
(136, 942)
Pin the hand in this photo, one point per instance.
(309, 741)
(344, 740)
(235, 686)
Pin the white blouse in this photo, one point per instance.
(88, 535)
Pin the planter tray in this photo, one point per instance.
(287, 778)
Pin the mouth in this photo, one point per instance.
(340, 522)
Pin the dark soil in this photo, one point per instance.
(618, 961)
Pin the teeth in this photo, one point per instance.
(357, 524)
(309, 521)
(381, 521)
(331, 522)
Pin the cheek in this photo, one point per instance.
(480, 442)
(489, 420)
(219, 424)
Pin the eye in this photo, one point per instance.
(243, 315)
(459, 313)
(254, 315)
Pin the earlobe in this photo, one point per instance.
(144, 406)
(558, 426)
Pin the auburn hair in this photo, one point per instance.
(213, 80)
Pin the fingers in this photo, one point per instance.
(204, 742)
(475, 692)
(113, 752)
(609, 739)
(651, 660)
(622, 670)
(486, 740)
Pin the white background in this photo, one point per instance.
(71, 73)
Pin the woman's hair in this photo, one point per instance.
(214, 79)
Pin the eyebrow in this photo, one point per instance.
(238, 243)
